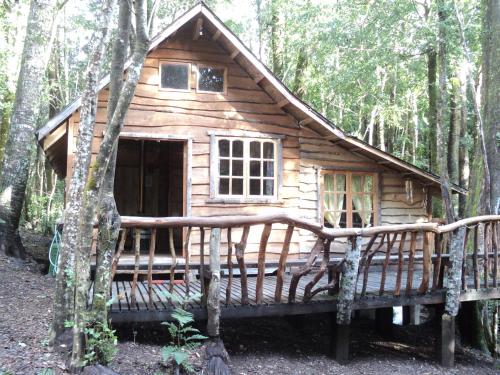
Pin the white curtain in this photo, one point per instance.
(333, 202)
(362, 202)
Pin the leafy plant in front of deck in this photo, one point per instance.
(184, 337)
(101, 343)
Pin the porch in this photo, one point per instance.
(383, 267)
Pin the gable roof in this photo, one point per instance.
(306, 116)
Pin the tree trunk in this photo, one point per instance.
(64, 294)
(432, 112)
(109, 218)
(276, 47)
(453, 134)
(491, 97)
(442, 161)
(15, 166)
(93, 188)
(463, 149)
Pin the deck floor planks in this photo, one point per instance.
(161, 303)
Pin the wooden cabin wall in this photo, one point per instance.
(245, 107)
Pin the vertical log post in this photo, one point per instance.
(213, 302)
(475, 263)
(187, 257)
(424, 286)
(261, 265)
(229, 266)
(438, 245)
(411, 260)
(345, 300)
(152, 247)
(397, 290)
(494, 238)
(116, 259)
(282, 264)
(202, 267)
(446, 341)
(137, 244)
(240, 257)
(174, 258)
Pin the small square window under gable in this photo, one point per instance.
(211, 79)
(175, 75)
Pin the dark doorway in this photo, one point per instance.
(149, 181)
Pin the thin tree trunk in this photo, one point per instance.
(442, 161)
(109, 218)
(453, 134)
(64, 294)
(463, 150)
(92, 191)
(15, 166)
(276, 50)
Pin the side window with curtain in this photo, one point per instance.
(349, 199)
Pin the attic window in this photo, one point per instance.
(211, 79)
(174, 76)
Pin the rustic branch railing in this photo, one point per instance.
(466, 247)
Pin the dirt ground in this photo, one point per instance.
(256, 346)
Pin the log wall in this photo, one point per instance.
(244, 107)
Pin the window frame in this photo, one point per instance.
(215, 197)
(349, 206)
(215, 66)
(175, 62)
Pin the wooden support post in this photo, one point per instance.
(383, 321)
(411, 315)
(455, 272)
(213, 303)
(348, 281)
(259, 285)
(152, 247)
(137, 244)
(341, 337)
(446, 341)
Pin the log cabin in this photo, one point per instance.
(211, 131)
(214, 140)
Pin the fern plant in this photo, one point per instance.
(184, 337)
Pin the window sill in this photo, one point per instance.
(257, 200)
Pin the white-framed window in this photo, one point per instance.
(211, 79)
(245, 168)
(175, 75)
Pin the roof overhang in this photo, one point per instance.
(302, 112)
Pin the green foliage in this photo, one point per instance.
(184, 337)
(101, 343)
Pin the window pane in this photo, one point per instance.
(238, 149)
(224, 186)
(268, 187)
(255, 187)
(224, 147)
(224, 167)
(237, 167)
(237, 186)
(343, 220)
(211, 79)
(340, 186)
(268, 150)
(255, 149)
(368, 184)
(175, 76)
(328, 181)
(255, 168)
(268, 169)
(356, 220)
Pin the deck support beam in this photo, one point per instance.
(411, 315)
(446, 341)
(383, 321)
(341, 338)
(213, 300)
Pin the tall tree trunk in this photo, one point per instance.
(93, 188)
(15, 165)
(463, 150)
(298, 80)
(491, 97)
(64, 295)
(453, 133)
(109, 218)
(432, 111)
(442, 161)
(276, 42)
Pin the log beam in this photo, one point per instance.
(213, 303)
(197, 28)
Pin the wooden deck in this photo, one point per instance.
(123, 310)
